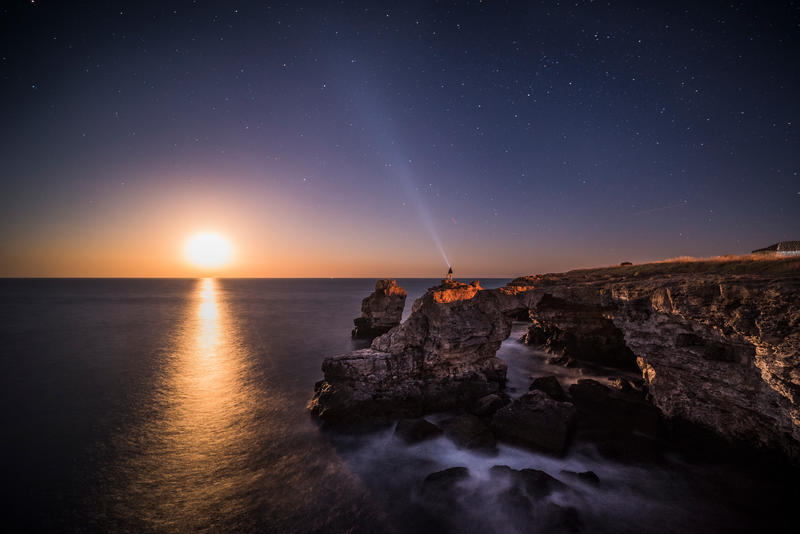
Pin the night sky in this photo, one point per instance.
(346, 139)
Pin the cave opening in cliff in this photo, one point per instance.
(574, 333)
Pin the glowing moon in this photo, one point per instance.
(209, 250)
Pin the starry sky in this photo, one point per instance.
(360, 139)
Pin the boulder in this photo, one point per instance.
(416, 430)
(525, 501)
(536, 483)
(468, 431)
(551, 386)
(535, 420)
(440, 488)
(380, 311)
(488, 405)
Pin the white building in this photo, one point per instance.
(783, 248)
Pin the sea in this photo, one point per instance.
(177, 405)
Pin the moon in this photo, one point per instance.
(208, 250)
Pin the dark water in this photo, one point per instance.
(176, 405)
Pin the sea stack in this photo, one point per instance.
(440, 358)
(380, 311)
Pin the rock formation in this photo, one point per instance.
(441, 357)
(717, 343)
(381, 311)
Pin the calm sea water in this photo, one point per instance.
(176, 405)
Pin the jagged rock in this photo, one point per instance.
(416, 430)
(535, 420)
(488, 405)
(380, 311)
(550, 385)
(468, 432)
(590, 477)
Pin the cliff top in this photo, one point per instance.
(451, 290)
(750, 265)
(389, 286)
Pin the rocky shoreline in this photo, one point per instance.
(690, 362)
(717, 345)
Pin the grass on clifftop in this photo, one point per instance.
(755, 264)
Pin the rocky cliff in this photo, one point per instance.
(441, 357)
(717, 343)
(380, 311)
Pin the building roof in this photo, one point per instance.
(781, 246)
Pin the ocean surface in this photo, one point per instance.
(179, 405)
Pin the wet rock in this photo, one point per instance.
(525, 501)
(536, 483)
(551, 386)
(380, 311)
(440, 487)
(535, 420)
(469, 432)
(416, 430)
(589, 477)
(488, 405)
